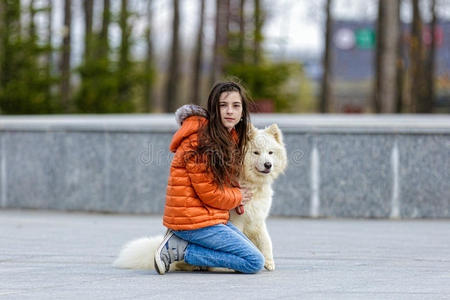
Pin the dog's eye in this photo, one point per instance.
(256, 152)
(270, 152)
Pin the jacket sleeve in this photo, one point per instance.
(207, 189)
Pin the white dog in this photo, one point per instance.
(264, 161)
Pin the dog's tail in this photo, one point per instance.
(138, 253)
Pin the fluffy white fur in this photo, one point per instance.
(265, 146)
(136, 255)
(188, 110)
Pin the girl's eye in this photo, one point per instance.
(256, 152)
(270, 152)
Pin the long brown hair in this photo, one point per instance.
(224, 158)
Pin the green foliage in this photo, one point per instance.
(269, 81)
(109, 86)
(25, 83)
(98, 88)
(283, 83)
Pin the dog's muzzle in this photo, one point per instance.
(267, 168)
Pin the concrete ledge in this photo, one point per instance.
(289, 122)
(385, 166)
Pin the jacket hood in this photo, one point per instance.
(191, 118)
(189, 110)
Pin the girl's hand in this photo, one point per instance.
(247, 195)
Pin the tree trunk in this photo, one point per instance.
(49, 44)
(2, 37)
(326, 77)
(242, 32)
(257, 35)
(418, 87)
(173, 72)
(65, 58)
(400, 80)
(430, 63)
(149, 62)
(221, 40)
(387, 56)
(376, 105)
(88, 16)
(124, 84)
(103, 47)
(9, 37)
(196, 80)
(32, 25)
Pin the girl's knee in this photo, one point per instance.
(255, 262)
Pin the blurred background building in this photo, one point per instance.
(354, 50)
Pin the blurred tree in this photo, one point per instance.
(400, 64)
(148, 73)
(430, 63)
(23, 85)
(325, 96)
(34, 76)
(11, 95)
(196, 78)
(267, 82)
(418, 86)
(32, 26)
(2, 38)
(125, 73)
(241, 48)
(65, 58)
(103, 48)
(376, 105)
(49, 60)
(386, 57)
(88, 16)
(97, 92)
(86, 99)
(173, 76)
(257, 34)
(221, 49)
(237, 44)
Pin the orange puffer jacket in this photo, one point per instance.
(193, 199)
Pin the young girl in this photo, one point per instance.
(209, 151)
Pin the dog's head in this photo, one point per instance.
(266, 157)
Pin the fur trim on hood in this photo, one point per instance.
(189, 110)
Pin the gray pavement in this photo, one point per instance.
(56, 255)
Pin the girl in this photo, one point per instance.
(209, 151)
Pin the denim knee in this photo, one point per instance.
(255, 262)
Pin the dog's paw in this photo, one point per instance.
(269, 265)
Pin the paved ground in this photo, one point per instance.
(53, 255)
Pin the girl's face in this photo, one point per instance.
(230, 104)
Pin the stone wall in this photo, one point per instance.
(339, 165)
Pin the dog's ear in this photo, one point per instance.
(275, 132)
(252, 130)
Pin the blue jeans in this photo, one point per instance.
(221, 245)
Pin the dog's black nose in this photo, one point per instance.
(267, 165)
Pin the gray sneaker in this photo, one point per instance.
(170, 250)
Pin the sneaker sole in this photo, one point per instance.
(159, 264)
